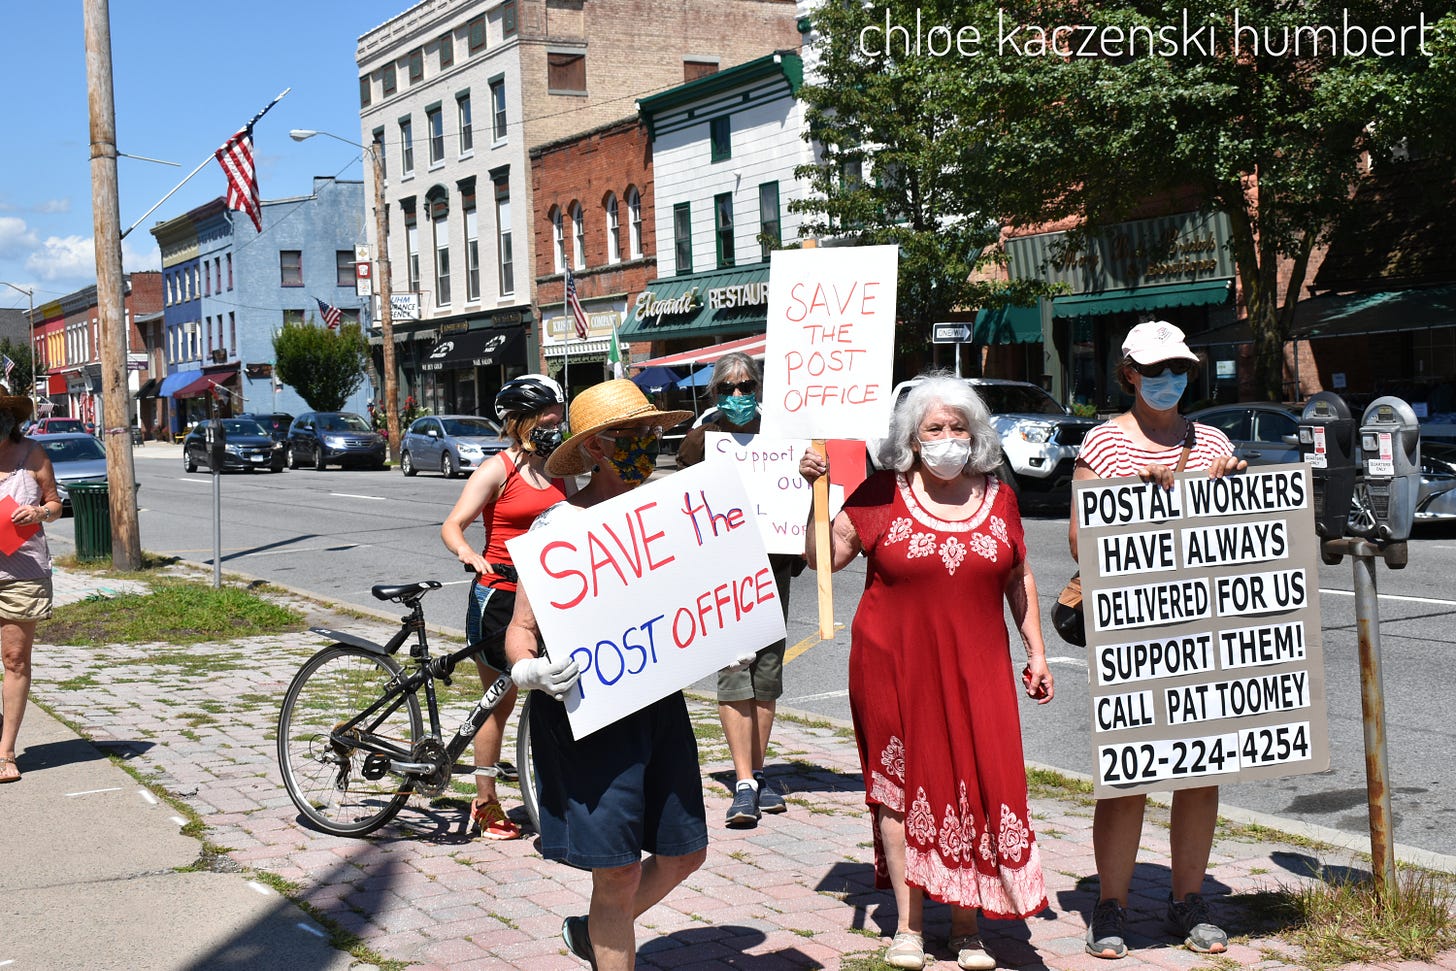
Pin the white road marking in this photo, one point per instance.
(151, 799)
(193, 478)
(821, 696)
(1392, 596)
(312, 930)
(350, 495)
(1076, 662)
(92, 792)
(307, 549)
(260, 888)
(179, 820)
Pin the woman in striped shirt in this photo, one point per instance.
(1147, 442)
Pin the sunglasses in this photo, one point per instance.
(726, 388)
(1158, 367)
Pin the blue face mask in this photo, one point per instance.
(1163, 392)
(739, 409)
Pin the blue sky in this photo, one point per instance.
(186, 76)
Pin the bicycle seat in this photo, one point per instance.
(402, 591)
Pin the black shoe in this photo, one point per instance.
(744, 811)
(1104, 936)
(1189, 918)
(578, 941)
(769, 800)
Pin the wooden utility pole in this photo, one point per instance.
(386, 298)
(126, 548)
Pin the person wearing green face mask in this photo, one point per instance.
(746, 699)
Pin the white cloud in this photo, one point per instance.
(141, 255)
(16, 238)
(54, 206)
(64, 258)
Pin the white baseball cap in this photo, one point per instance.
(1154, 341)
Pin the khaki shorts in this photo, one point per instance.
(24, 600)
(763, 680)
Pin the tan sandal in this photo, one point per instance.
(9, 771)
(907, 950)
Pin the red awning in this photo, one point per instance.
(752, 346)
(202, 386)
(56, 384)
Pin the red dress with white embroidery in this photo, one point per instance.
(933, 696)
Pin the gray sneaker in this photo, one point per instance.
(769, 800)
(1104, 934)
(744, 811)
(574, 935)
(1189, 917)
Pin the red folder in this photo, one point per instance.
(11, 534)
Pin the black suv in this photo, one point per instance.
(321, 438)
(275, 423)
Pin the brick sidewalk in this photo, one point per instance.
(796, 892)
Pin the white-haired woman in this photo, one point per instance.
(931, 687)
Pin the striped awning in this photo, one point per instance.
(752, 346)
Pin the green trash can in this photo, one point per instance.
(91, 505)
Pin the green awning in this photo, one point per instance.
(1007, 325)
(719, 303)
(1203, 294)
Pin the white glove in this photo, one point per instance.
(543, 674)
(741, 663)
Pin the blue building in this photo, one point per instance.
(228, 289)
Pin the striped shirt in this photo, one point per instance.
(1109, 452)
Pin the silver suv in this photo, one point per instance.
(1040, 439)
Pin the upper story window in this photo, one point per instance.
(365, 91)
(770, 233)
(447, 51)
(388, 82)
(417, 65)
(720, 139)
(435, 121)
(344, 268)
(406, 146)
(467, 128)
(614, 230)
(498, 109)
(290, 268)
(565, 73)
(558, 241)
(230, 270)
(682, 237)
(505, 257)
(508, 18)
(634, 222)
(578, 234)
(723, 227)
(476, 30)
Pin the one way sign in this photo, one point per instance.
(952, 334)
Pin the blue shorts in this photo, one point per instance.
(629, 788)
(487, 614)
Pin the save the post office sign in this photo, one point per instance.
(1201, 605)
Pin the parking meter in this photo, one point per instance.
(216, 438)
(1327, 443)
(1390, 452)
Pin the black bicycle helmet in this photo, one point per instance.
(527, 395)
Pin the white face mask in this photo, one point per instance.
(944, 458)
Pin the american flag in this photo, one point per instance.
(236, 159)
(328, 312)
(9, 365)
(574, 303)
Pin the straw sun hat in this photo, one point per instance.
(616, 402)
(18, 405)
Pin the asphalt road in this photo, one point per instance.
(337, 533)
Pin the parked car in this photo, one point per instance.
(56, 426)
(1262, 432)
(1436, 501)
(324, 438)
(248, 448)
(454, 444)
(275, 423)
(1040, 438)
(76, 457)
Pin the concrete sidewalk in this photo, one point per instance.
(100, 889)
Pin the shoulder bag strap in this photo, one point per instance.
(1188, 440)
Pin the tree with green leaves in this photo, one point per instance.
(324, 366)
(1271, 124)
(891, 169)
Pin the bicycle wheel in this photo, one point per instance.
(526, 766)
(342, 788)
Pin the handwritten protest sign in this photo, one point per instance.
(777, 493)
(830, 342)
(650, 591)
(1202, 614)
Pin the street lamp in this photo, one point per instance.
(386, 311)
(34, 357)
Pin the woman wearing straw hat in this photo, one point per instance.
(28, 491)
(632, 787)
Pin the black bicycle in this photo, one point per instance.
(352, 743)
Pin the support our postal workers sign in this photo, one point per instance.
(830, 342)
(650, 591)
(769, 468)
(1203, 635)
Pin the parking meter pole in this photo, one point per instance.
(216, 468)
(1372, 707)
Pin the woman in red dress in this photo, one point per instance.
(930, 682)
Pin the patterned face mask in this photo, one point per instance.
(545, 440)
(632, 455)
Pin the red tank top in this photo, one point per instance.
(512, 513)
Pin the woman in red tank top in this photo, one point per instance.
(507, 493)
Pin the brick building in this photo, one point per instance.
(593, 198)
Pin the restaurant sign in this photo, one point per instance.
(650, 309)
(1182, 248)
